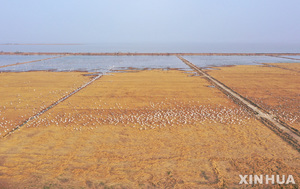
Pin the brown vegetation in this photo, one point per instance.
(25, 94)
(82, 142)
(273, 88)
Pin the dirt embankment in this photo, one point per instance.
(273, 88)
(24, 94)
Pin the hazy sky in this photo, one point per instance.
(196, 21)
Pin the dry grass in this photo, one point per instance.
(24, 94)
(290, 66)
(199, 154)
(275, 89)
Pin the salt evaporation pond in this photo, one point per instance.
(13, 59)
(209, 61)
(101, 64)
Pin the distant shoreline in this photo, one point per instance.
(149, 54)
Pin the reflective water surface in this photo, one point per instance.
(207, 61)
(13, 59)
(100, 63)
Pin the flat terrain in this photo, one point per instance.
(276, 89)
(288, 66)
(150, 54)
(140, 129)
(26, 93)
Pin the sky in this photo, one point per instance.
(149, 21)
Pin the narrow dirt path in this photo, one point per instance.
(29, 62)
(282, 129)
(275, 66)
(52, 105)
(277, 56)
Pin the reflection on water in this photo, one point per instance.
(12, 59)
(206, 61)
(104, 64)
(293, 57)
(101, 64)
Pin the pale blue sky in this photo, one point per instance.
(156, 21)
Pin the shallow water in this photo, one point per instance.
(13, 59)
(101, 64)
(296, 57)
(207, 61)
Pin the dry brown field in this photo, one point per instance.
(289, 66)
(276, 89)
(140, 129)
(26, 93)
